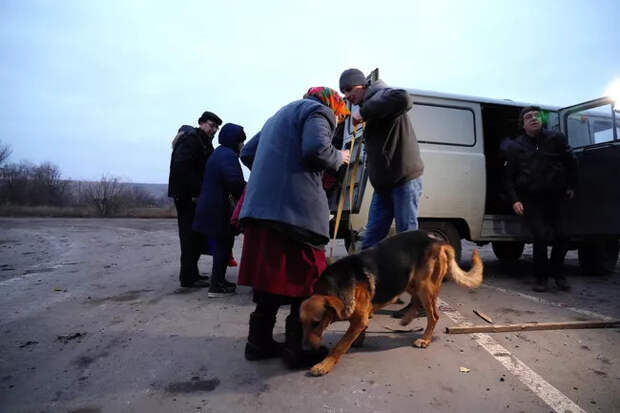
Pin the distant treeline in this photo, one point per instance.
(31, 189)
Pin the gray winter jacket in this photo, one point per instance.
(294, 147)
(393, 151)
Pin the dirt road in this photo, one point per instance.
(92, 320)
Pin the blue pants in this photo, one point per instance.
(399, 204)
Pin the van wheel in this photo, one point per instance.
(444, 231)
(598, 257)
(508, 251)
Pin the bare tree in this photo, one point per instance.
(106, 195)
(5, 152)
(15, 183)
(28, 184)
(47, 187)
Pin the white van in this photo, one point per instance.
(462, 195)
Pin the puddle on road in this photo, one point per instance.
(195, 385)
(38, 270)
(86, 410)
(84, 361)
(507, 310)
(126, 296)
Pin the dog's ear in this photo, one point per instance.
(311, 308)
(335, 304)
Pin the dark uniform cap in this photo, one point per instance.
(210, 116)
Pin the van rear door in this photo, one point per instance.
(355, 174)
(593, 129)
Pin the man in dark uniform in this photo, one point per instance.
(541, 176)
(190, 150)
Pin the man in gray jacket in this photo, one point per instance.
(394, 163)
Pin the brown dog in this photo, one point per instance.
(355, 286)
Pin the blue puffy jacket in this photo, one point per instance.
(222, 184)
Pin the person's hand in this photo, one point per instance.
(346, 156)
(517, 207)
(356, 118)
(570, 194)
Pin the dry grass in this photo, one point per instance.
(169, 212)
(82, 212)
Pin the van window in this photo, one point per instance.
(444, 125)
(553, 121)
(591, 126)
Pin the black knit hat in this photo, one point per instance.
(210, 116)
(350, 78)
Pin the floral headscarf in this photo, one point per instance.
(331, 98)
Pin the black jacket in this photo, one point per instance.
(191, 150)
(393, 151)
(539, 166)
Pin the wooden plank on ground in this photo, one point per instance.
(499, 328)
(483, 316)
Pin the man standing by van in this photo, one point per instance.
(190, 150)
(394, 163)
(541, 175)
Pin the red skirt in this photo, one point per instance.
(272, 262)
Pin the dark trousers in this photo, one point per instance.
(221, 256)
(191, 241)
(268, 304)
(544, 220)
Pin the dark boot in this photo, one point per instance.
(261, 345)
(541, 285)
(294, 356)
(561, 282)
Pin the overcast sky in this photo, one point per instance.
(100, 87)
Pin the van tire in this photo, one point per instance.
(508, 251)
(444, 231)
(598, 257)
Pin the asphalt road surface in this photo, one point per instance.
(92, 319)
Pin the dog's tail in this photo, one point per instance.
(469, 279)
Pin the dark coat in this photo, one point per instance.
(292, 150)
(541, 166)
(192, 148)
(393, 151)
(223, 183)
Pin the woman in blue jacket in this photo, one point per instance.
(222, 185)
(286, 218)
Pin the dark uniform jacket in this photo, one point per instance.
(393, 151)
(187, 163)
(542, 166)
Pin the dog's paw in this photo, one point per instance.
(322, 368)
(318, 370)
(421, 343)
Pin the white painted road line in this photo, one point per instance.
(557, 400)
(547, 302)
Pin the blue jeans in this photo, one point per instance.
(399, 204)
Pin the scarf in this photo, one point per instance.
(330, 98)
